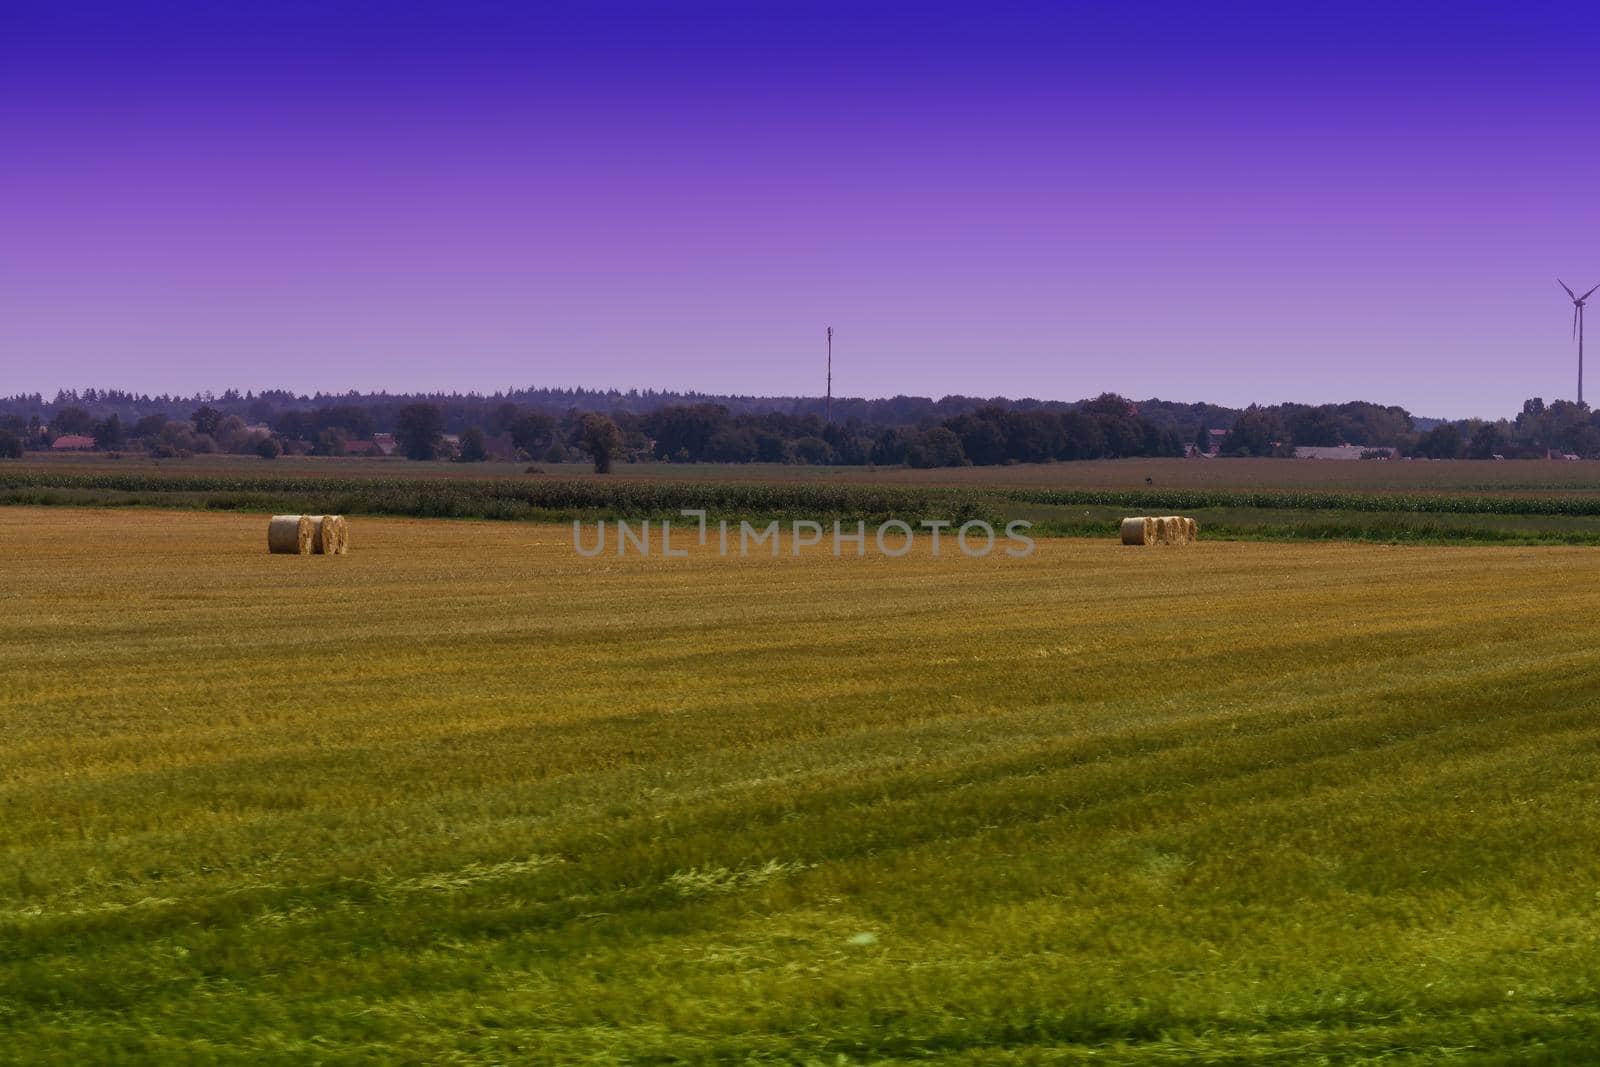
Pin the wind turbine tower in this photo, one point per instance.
(1578, 330)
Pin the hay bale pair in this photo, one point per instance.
(1160, 530)
(305, 535)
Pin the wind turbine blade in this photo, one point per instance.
(1590, 293)
(1567, 287)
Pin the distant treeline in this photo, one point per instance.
(610, 426)
(461, 410)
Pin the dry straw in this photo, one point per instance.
(289, 534)
(1159, 530)
(322, 535)
(330, 537)
(341, 538)
(1137, 532)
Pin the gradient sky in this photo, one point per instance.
(1230, 203)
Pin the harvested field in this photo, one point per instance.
(1239, 803)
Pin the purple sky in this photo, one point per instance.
(1248, 203)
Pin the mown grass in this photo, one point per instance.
(463, 796)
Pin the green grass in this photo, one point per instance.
(463, 796)
(1263, 514)
(1334, 524)
(1405, 476)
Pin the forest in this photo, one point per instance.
(558, 425)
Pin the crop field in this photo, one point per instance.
(464, 796)
(1471, 476)
(1387, 515)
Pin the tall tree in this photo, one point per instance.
(1441, 442)
(1256, 432)
(205, 419)
(472, 446)
(71, 420)
(419, 429)
(108, 434)
(599, 436)
(531, 431)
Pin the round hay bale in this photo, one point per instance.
(341, 534)
(1138, 531)
(289, 535)
(1194, 529)
(320, 532)
(329, 537)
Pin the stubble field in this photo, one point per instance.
(463, 796)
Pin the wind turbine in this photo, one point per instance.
(1577, 327)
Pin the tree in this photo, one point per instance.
(1081, 437)
(938, 447)
(1110, 404)
(685, 431)
(531, 431)
(503, 419)
(296, 424)
(10, 445)
(1030, 437)
(268, 448)
(1318, 426)
(599, 436)
(108, 435)
(1569, 428)
(355, 420)
(330, 442)
(1121, 430)
(206, 419)
(1363, 423)
(419, 428)
(1488, 441)
(732, 444)
(816, 451)
(1441, 442)
(231, 436)
(770, 447)
(472, 447)
(983, 435)
(1256, 432)
(71, 420)
(1202, 440)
